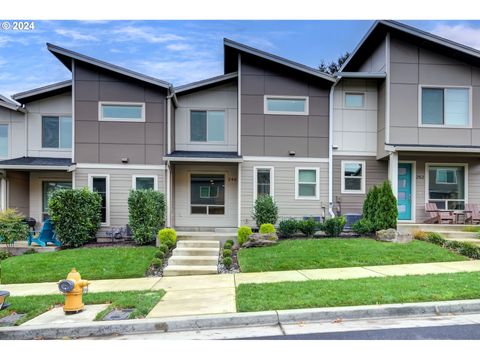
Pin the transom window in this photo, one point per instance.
(122, 112)
(207, 194)
(354, 100)
(3, 141)
(446, 186)
(57, 132)
(286, 105)
(207, 126)
(48, 188)
(263, 181)
(353, 177)
(445, 107)
(144, 182)
(307, 183)
(100, 184)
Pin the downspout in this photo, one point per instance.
(330, 149)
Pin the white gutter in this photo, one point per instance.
(330, 149)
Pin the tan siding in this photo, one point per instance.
(18, 191)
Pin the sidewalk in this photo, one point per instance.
(215, 294)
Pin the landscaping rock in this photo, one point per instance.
(259, 240)
(11, 319)
(392, 235)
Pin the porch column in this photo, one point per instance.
(3, 193)
(239, 194)
(169, 196)
(393, 172)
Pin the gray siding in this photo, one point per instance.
(376, 62)
(18, 183)
(16, 132)
(276, 135)
(376, 173)
(109, 142)
(381, 120)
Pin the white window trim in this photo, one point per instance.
(225, 124)
(155, 181)
(120, 103)
(317, 184)
(363, 93)
(9, 136)
(470, 106)
(90, 187)
(427, 180)
(286, 97)
(364, 176)
(272, 180)
(41, 132)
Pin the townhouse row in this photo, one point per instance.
(405, 107)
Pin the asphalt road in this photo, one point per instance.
(449, 332)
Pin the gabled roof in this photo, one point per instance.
(433, 42)
(230, 45)
(10, 104)
(213, 81)
(65, 56)
(43, 91)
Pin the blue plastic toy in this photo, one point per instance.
(46, 235)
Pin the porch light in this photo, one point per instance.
(291, 152)
(125, 160)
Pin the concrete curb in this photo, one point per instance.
(265, 318)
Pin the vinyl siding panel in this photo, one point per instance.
(18, 183)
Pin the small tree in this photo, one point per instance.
(370, 203)
(386, 209)
(146, 214)
(12, 227)
(265, 210)
(76, 215)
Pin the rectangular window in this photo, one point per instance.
(354, 100)
(207, 126)
(3, 140)
(57, 132)
(100, 184)
(263, 181)
(144, 182)
(48, 188)
(353, 177)
(445, 106)
(446, 186)
(307, 183)
(207, 194)
(122, 112)
(294, 105)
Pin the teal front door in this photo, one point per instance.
(404, 191)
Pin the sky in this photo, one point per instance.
(183, 51)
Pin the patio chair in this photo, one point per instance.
(472, 213)
(46, 235)
(438, 216)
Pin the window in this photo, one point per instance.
(446, 186)
(263, 181)
(207, 194)
(48, 188)
(57, 132)
(144, 182)
(292, 105)
(445, 106)
(354, 100)
(3, 140)
(353, 177)
(122, 111)
(307, 183)
(207, 126)
(100, 184)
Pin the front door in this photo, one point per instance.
(404, 191)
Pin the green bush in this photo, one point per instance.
(164, 248)
(227, 253)
(386, 208)
(146, 214)
(243, 233)
(12, 227)
(227, 262)
(4, 255)
(227, 246)
(265, 210)
(333, 227)
(167, 237)
(469, 250)
(156, 263)
(159, 254)
(363, 227)
(288, 227)
(230, 241)
(370, 204)
(308, 227)
(436, 238)
(76, 215)
(267, 229)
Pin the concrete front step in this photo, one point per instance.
(458, 234)
(195, 252)
(193, 260)
(404, 228)
(198, 244)
(201, 236)
(473, 241)
(181, 270)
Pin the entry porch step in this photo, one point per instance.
(181, 270)
(193, 260)
(179, 251)
(198, 244)
(459, 235)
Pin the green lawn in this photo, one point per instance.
(367, 291)
(32, 306)
(92, 263)
(334, 253)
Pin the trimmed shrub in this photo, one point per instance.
(4, 255)
(227, 253)
(167, 237)
(76, 215)
(288, 227)
(469, 250)
(146, 214)
(12, 227)
(363, 227)
(243, 233)
(156, 263)
(227, 262)
(333, 227)
(370, 203)
(386, 213)
(308, 227)
(227, 246)
(267, 229)
(419, 235)
(164, 248)
(159, 254)
(436, 238)
(230, 241)
(265, 210)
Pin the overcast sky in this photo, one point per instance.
(184, 51)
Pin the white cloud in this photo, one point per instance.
(75, 35)
(464, 34)
(179, 47)
(131, 33)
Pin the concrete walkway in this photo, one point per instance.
(215, 294)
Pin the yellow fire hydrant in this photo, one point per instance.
(73, 287)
